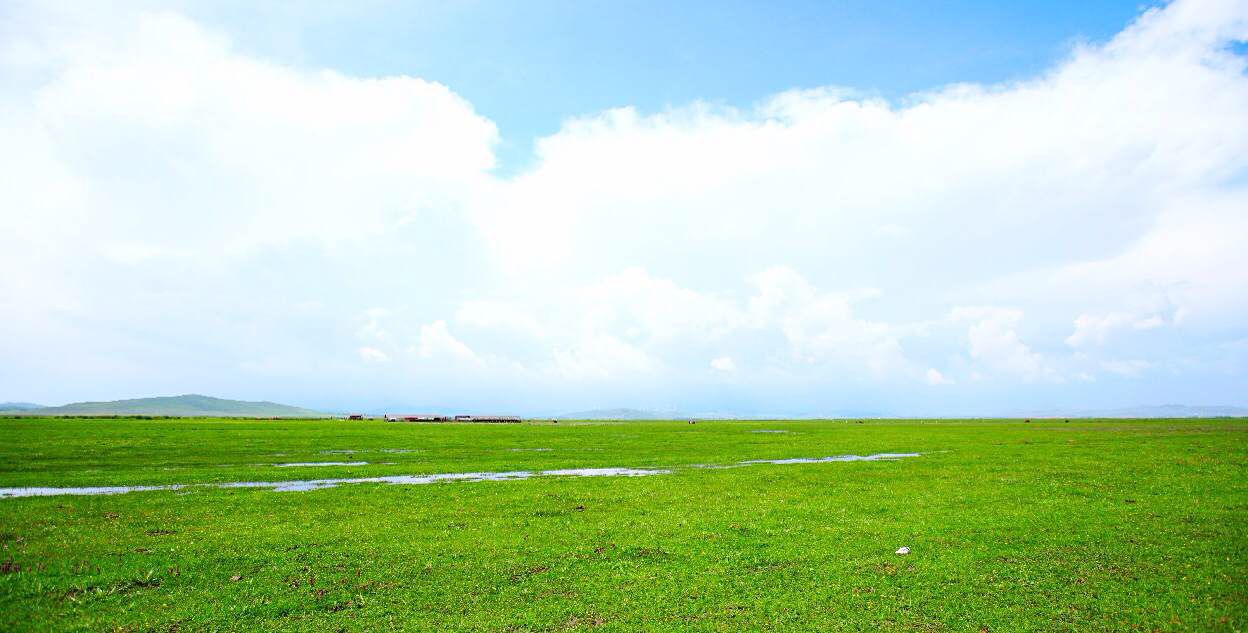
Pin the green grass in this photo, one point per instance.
(1087, 525)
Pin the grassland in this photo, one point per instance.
(1086, 525)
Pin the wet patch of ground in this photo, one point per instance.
(320, 484)
(302, 464)
(837, 458)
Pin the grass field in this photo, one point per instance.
(1048, 525)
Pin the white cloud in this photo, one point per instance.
(497, 314)
(601, 357)
(821, 327)
(1095, 329)
(633, 322)
(1070, 165)
(1193, 251)
(994, 342)
(1129, 368)
(437, 343)
(1070, 180)
(173, 197)
(658, 308)
(934, 377)
(166, 135)
(374, 328)
(621, 324)
(373, 355)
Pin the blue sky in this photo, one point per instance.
(792, 209)
(529, 66)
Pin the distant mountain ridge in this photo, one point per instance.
(191, 405)
(20, 406)
(645, 414)
(194, 405)
(1161, 411)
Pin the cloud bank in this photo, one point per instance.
(178, 215)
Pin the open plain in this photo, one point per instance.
(719, 525)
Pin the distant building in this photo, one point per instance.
(417, 417)
(487, 418)
(435, 417)
(356, 416)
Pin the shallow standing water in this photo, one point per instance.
(320, 484)
(299, 464)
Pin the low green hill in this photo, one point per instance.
(190, 405)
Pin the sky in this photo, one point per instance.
(534, 208)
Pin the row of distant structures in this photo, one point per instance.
(435, 417)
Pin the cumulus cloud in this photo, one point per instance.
(166, 140)
(172, 201)
(601, 357)
(1068, 166)
(821, 327)
(934, 377)
(994, 342)
(659, 308)
(633, 322)
(373, 355)
(1095, 329)
(1061, 194)
(374, 327)
(437, 343)
(1192, 256)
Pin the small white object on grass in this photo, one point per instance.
(902, 551)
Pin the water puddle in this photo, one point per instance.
(352, 451)
(300, 464)
(6, 493)
(321, 484)
(838, 458)
(606, 472)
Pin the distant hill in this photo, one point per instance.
(19, 406)
(190, 405)
(1170, 411)
(644, 414)
(1158, 411)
